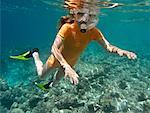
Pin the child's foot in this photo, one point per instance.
(31, 52)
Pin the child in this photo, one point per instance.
(75, 32)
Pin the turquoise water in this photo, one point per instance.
(32, 24)
(26, 24)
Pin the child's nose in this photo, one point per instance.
(85, 18)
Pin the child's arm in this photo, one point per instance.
(114, 49)
(68, 70)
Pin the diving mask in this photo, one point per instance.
(86, 18)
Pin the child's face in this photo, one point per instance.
(85, 16)
(86, 19)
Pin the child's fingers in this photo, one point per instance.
(114, 49)
(75, 81)
(71, 80)
(66, 74)
(128, 55)
(131, 55)
(134, 56)
(109, 49)
(120, 52)
(77, 75)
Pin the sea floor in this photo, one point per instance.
(107, 84)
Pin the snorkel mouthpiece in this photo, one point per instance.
(83, 27)
(83, 30)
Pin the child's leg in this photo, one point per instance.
(42, 70)
(58, 75)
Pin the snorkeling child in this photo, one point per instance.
(75, 32)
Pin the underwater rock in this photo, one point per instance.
(64, 111)
(108, 105)
(91, 108)
(82, 87)
(43, 107)
(17, 110)
(68, 104)
(24, 106)
(122, 84)
(17, 92)
(114, 94)
(55, 110)
(101, 80)
(3, 110)
(98, 77)
(122, 105)
(142, 97)
(108, 108)
(7, 99)
(28, 111)
(146, 106)
(33, 101)
(3, 85)
(10, 96)
(21, 99)
(14, 105)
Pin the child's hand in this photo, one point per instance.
(71, 73)
(130, 55)
(121, 52)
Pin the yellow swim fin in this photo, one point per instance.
(26, 55)
(46, 86)
(21, 56)
(41, 86)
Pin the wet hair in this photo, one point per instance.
(65, 19)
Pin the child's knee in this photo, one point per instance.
(40, 74)
(44, 71)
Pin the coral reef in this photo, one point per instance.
(110, 84)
